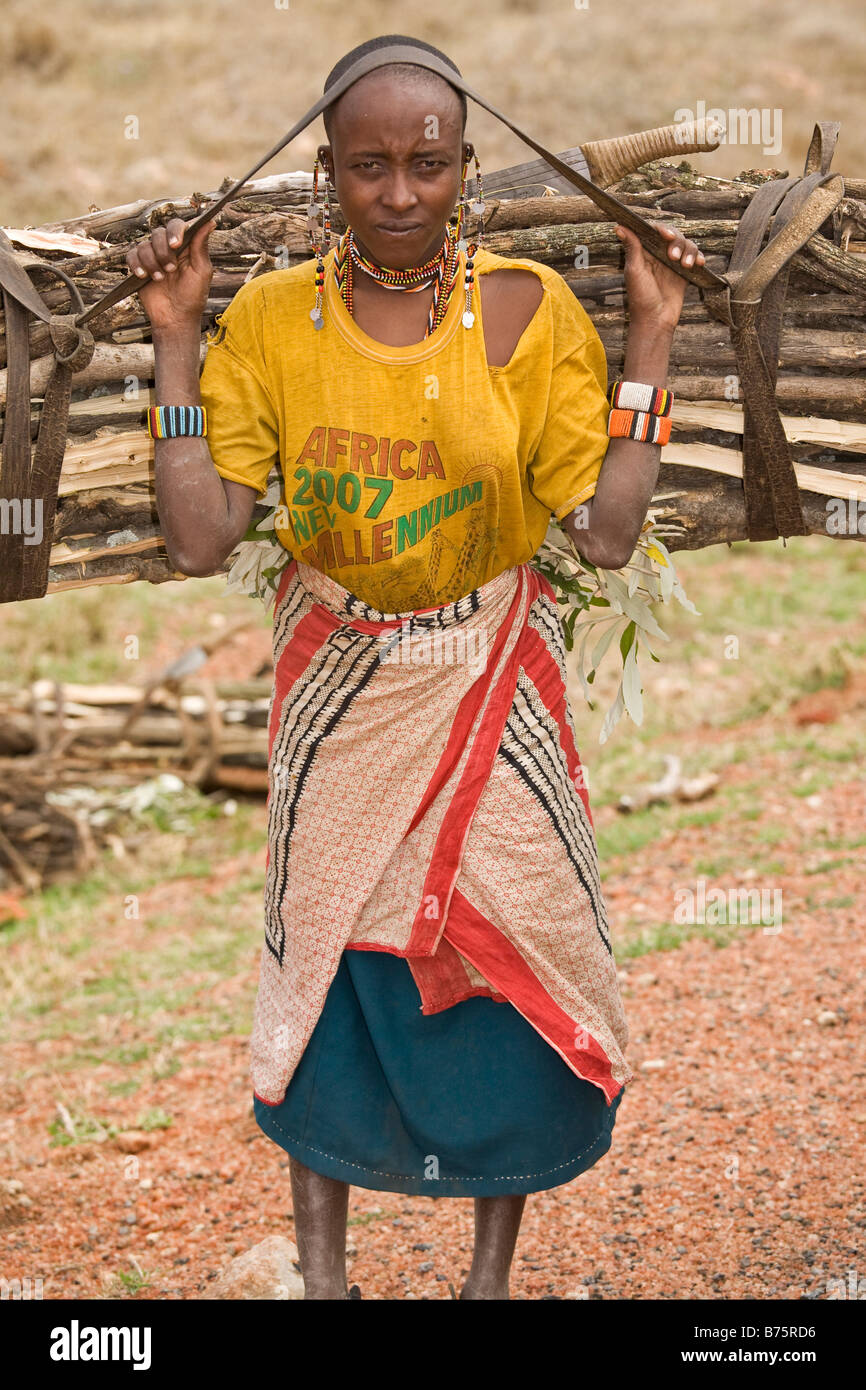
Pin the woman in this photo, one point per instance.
(430, 839)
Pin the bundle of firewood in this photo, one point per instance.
(203, 728)
(107, 528)
(79, 763)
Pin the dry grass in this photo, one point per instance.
(213, 85)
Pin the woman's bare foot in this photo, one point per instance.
(497, 1222)
(325, 1291)
(476, 1290)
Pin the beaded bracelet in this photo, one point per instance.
(639, 424)
(635, 395)
(170, 421)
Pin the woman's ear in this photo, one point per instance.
(324, 156)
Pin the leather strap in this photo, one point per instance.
(772, 497)
(26, 483)
(773, 504)
(752, 308)
(735, 299)
(649, 234)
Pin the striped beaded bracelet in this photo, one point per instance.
(639, 424)
(169, 421)
(635, 395)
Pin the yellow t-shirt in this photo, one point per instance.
(414, 474)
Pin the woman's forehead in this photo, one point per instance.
(397, 97)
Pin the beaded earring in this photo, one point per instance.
(464, 205)
(318, 242)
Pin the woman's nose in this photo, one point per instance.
(400, 194)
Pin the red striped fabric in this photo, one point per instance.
(434, 807)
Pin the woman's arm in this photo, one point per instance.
(630, 469)
(202, 515)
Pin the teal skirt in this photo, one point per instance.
(469, 1102)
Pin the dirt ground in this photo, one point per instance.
(736, 1165)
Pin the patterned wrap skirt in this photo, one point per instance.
(438, 1009)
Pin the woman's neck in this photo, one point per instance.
(398, 320)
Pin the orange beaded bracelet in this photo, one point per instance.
(639, 424)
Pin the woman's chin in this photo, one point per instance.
(399, 249)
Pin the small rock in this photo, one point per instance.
(266, 1270)
(827, 1018)
(653, 1064)
(425, 1267)
(647, 978)
(133, 1141)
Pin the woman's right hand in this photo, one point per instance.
(176, 294)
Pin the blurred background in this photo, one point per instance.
(214, 83)
(130, 990)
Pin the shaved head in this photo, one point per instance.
(442, 100)
(409, 74)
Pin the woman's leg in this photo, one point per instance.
(320, 1208)
(497, 1222)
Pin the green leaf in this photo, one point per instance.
(631, 686)
(581, 660)
(680, 596)
(626, 642)
(611, 719)
(568, 628)
(633, 608)
(627, 601)
(603, 643)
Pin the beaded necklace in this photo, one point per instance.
(441, 270)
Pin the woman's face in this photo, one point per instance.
(395, 158)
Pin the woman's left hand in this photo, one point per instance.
(655, 293)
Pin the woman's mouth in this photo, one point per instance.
(398, 229)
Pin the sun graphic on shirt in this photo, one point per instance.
(478, 464)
